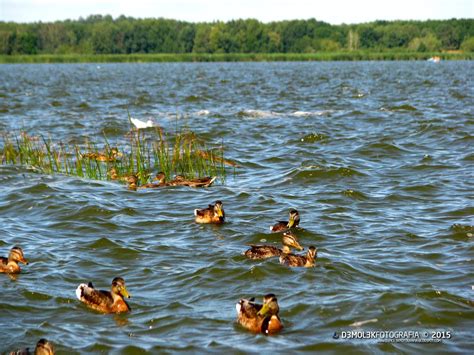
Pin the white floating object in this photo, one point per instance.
(139, 124)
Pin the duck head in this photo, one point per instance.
(289, 239)
(118, 287)
(44, 347)
(160, 177)
(294, 218)
(16, 254)
(312, 252)
(270, 306)
(219, 210)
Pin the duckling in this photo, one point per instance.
(289, 240)
(292, 223)
(299, 260)
(105, 301)
(212, 214)
(43, 347)
(10, 265)
(259, 318)
(112, 155)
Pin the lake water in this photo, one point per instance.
(376, 156)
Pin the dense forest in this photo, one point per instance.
(125, 35)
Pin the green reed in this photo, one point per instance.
(145, 152)
(373, 54)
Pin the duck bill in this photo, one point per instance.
(125, 293)
(291, 222)
(24, 261)
(220, 214)
(298, 246)
(264, 310)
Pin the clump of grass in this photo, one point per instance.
(146, 151)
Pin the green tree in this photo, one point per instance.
(202, 40)
(468, 44)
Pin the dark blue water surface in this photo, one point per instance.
(376, 156)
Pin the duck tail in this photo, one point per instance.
(80, 291)
(212, 180)
(196, 212)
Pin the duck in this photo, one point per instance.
(289, 240)
(180, 180)
(216, 158)
(213, 214)
(10, 265)
(299, 260)
(132, 181)
(284, 225)
(105, 301)
(260, 318)
(43, 347)
(112, 155)
(160, 177)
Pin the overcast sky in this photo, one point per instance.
(332, 11)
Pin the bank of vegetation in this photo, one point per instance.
(143, 155)
(103, 38)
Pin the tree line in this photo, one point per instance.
(99, 34)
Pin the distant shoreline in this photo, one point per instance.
(234, 57)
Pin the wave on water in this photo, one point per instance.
(255, 113)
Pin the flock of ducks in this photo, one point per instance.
(160, 181)
(259, 318)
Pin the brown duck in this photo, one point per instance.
(161, 182)
(10, 265)
(284, 225)
(213, 214)
(289, 240)
(180, 180)
(43, 347)
(299, 260)
(259, 318)
(105, 301)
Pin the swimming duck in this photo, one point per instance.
(132, 181)
(10, 265)
(259, 318)
(160, 177)
(105, 301)
(43, 347)
(212, 214)
(289, 240)
(112, 155)
(292, 223)
(216, 158)
(299, 260)
(180, 180)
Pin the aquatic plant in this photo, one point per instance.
(342, 55)
(146, 151)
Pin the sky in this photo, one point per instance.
(332, 11)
